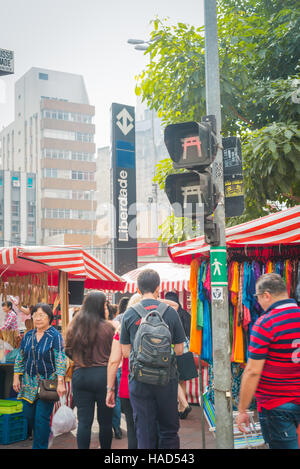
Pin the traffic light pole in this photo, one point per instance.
(218, 254)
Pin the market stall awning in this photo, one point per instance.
(172, 277)
(71, 259)
(278, 228)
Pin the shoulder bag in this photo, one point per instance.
(47, 388)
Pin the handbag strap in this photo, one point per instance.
(33, 355)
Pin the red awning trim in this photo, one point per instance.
(277, 228)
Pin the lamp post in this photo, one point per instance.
(141, 45)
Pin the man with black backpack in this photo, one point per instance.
(151, 336)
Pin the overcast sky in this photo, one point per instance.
(88, 37)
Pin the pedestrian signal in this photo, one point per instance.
(191, 144)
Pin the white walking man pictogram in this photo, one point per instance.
(217, 266)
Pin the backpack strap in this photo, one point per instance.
(139, 308)
(162, 308)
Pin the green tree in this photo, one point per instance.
(260, 92)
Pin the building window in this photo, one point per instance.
(31, 229)
(31, 209)
(50, 173)
(15, 228)
(82, 176)
(15, 208)
(43, 76)
(59, 134)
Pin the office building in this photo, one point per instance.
(48, 162)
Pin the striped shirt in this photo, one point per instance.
(275, 338)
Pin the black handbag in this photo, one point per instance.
(47, 388)
(186, 366)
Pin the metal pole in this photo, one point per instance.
(201, 401)
(220, 316)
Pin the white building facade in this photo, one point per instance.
(48, 161)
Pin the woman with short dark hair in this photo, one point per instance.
(11, 322)
(88, 344)
(41, 355)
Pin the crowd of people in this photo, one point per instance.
(101, 342)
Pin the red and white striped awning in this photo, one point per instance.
(72, 259)
(172, 277)
(278, 228)
(8, 255)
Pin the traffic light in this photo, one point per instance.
(193, 146)
(191, 194)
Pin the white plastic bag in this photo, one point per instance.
(64, 419)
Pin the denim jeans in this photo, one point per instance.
(279, 426)
(155, 414)
(116, 419)
(38, 417)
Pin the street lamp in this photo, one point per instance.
(140, 43)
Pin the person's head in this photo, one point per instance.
(6, 306)
(171, 295)
(110, 310)
(269, 289)
(123, 303)
(93, 305)
(135, 299)
(43, 316)
(148, 282)
(83, 330)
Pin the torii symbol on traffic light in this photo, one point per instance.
(191, 142)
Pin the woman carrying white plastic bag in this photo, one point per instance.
(64, 419)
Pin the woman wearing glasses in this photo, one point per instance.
(41, 352)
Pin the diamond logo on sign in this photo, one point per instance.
(218, 263)
(124, 121)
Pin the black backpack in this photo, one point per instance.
(151, 355)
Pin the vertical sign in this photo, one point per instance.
(233, 177)
(124, 188)
(218, 264)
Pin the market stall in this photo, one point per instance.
(173, 277)
(268, 244)
(40, 274)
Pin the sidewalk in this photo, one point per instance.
(190, 436)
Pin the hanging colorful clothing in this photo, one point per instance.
(196, 334)
(206, 349)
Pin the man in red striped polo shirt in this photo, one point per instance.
(273, 368)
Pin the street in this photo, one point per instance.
(190, 436)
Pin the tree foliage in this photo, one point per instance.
(260, 91)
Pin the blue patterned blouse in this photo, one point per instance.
(49, 356)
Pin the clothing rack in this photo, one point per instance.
(263, 254)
